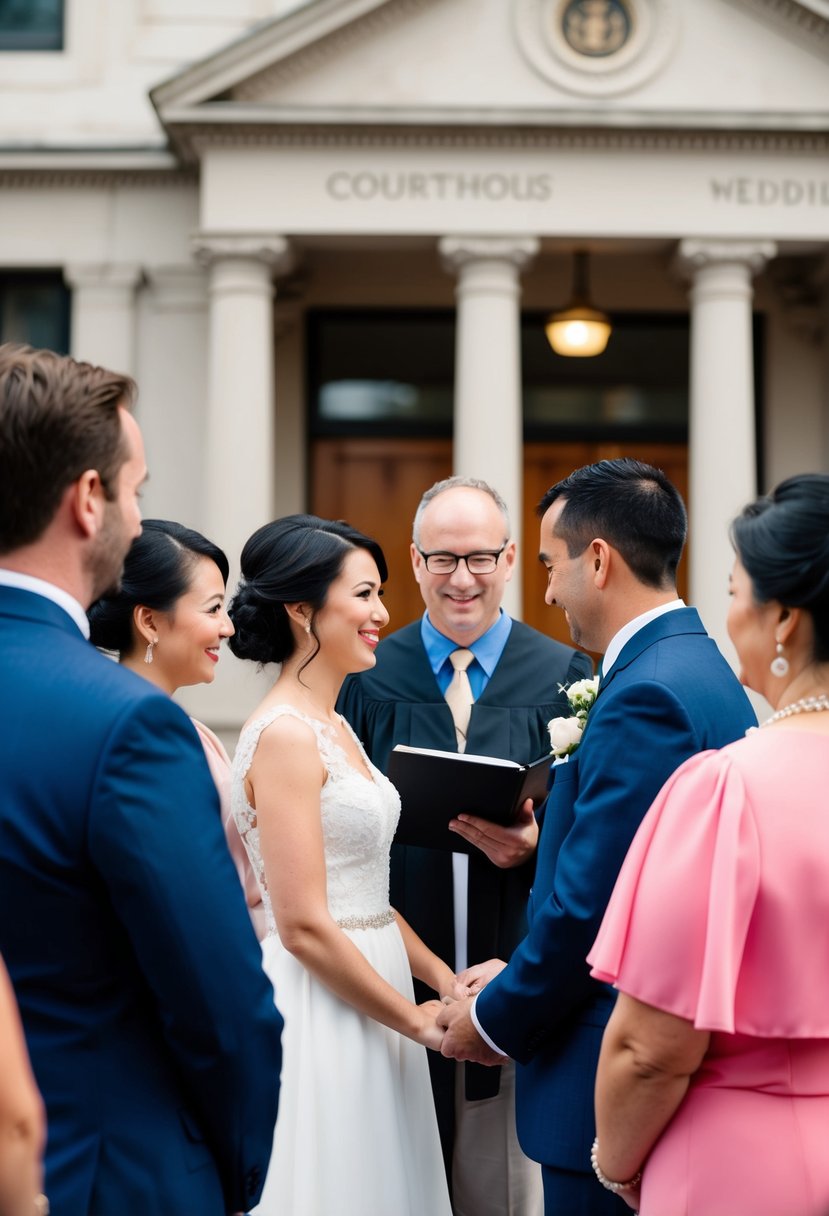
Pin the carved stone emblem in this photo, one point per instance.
(598, 48)
(596, 27)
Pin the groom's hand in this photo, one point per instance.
(461, 1040)
(505, 847)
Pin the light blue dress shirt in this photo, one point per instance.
(487, 650)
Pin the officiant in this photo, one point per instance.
(467, 677)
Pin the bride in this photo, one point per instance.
(356, 1133)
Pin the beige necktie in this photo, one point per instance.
(459, 695)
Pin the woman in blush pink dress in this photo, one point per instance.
(167, 622)
(712, 1095)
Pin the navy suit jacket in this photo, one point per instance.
(669, 695)
(151, 1027)
(399, 701)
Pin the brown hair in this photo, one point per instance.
(58, 418)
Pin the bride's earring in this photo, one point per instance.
(779, 665)
(307, 626)
(148, 654)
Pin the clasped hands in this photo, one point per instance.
(454, 1033)
(457, 1036)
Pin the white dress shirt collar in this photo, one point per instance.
(621, 639)
(39, 586)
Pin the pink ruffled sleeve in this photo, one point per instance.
(720, 914)
(675, 930)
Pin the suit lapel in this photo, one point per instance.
(670, 624)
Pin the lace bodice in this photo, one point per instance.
(359, 818)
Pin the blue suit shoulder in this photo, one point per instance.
(675, 656)
(116, 693)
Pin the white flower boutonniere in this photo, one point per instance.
(565, 733)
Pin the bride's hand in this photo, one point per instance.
(473, 979)
(429, 1034)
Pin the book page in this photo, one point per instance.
(429, 751)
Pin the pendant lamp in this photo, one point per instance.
(579, 330)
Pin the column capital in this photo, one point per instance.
(694, 255)
(460, 251)
(270, 248)
(124, 276)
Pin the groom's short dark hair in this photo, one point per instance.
(631, 505)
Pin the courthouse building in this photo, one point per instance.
(326, 236)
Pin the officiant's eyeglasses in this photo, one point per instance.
(483, 562)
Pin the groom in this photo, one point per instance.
(151, 1027)
(611, 538)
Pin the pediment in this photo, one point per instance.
(713, 64)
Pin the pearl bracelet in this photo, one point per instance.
(608, 1183)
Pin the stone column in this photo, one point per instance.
(173, 386)
(722, 449)
(488, 401)
(239, 413)
(239, 455)
(103, 313)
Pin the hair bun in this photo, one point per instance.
(262, 631)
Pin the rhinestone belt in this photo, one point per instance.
(378, 921)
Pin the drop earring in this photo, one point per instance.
(307, 626)
(148, 654)
(779, 665)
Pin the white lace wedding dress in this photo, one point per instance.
(356, 1133)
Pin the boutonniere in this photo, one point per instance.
(565, 733)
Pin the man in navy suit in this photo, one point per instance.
(611, 538)
(151, 1027)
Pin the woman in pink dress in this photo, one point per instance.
(712, 1095)
(167, 622)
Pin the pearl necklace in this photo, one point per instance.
(806, 705)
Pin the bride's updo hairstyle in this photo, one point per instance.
(293, 560)
(782, 541)
(157, 572)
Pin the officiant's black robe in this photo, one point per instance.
(399, 701)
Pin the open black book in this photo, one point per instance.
(437, 786)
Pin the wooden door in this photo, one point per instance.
(547, 463)
(376, 484)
